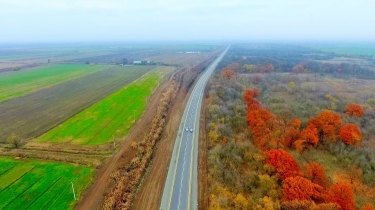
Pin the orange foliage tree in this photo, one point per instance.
(260, 120)
(228, 73)
(300, 145)
(235, 66)
(316, 173)
(328, 125)
(300, 68)
(268, 130)
(367, 206)
(299, 188)
(292, 132)
(266, 68)
(224, 141)
(350, 134)
(310, 135)
(354, 110)
(260, 123)
(342, 195)
(284, 163)
(250, 96)
(256, 92)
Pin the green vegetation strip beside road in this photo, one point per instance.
(111, 117)
(40, 185)
(19, 83)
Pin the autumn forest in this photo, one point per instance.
(288, 127)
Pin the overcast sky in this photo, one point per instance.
(156, 20)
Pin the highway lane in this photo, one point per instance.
(181, 186)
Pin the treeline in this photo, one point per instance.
(282, 56)
(338, 69)
(290, 58)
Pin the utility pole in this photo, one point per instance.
(73, 191)
(134, 116)
(114, 143)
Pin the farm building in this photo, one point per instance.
(144, 62)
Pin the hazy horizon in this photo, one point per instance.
(85, 21)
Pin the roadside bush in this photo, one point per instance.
(128, 178)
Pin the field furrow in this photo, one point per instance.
(6, 166)
(13, 175)
(41, 185)
(109, 117)
(14, 84)
(53, 193)
(32, 115)
(39, 195)
(13, 193)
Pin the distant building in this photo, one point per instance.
(144, 62)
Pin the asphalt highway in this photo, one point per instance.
(181, 186)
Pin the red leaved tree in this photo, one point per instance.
(235, 66)
(328, 125)
(228, 73)
(310, 135)
(256, 92)
(267, 68)
(260, 123)
(367, 206)
(292, 132)
(260, 120)
(249, 97)
(284, 163)
(350, 134)
(299, 188)
(316, 173)
(300, 68)
(354, 110)
(342, 195)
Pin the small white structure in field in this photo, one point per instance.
(137, 62)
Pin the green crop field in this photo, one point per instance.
(112, 116)
(18, 83)
(36, 113)
(41, 185)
